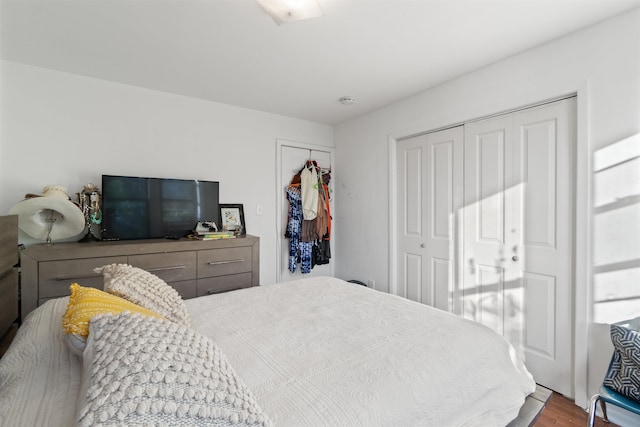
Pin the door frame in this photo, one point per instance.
(280, 143)
(583, 178)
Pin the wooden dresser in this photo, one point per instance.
(8, 272)
(193, 267)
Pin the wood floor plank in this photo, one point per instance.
(561, 412)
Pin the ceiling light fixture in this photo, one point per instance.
(285, 11)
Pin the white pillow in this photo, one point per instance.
(145, 289)
(148, 371)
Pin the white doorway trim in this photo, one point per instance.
(582, 250)
(280, 219)
(582, 241)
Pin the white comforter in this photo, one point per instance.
(323, 352)
(315, 352)
(39, 376)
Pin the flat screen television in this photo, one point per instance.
(149, 208)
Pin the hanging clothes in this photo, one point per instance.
(309, 183)
(299, 251)
(327, 206)
(321, 218)
(322, 248)
(309, 232)
(309, 218)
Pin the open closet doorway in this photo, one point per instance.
(502, 256)
(291, 157)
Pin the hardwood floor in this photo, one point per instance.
(561, 411)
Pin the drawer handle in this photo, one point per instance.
(177, 267)
(231, 261)
(87, 276)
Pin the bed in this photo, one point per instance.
(312, 352)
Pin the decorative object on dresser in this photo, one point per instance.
(8, 272)
(232, 218)
(49, 216)
(193, 267)
(90, 201)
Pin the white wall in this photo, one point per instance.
(64, 129)
(601, 64)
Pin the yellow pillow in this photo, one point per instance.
(84, 303)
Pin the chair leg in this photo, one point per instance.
(604, 411)
(592, 409)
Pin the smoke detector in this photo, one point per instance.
(285, 11)
(347, 100)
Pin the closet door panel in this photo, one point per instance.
(413, 199)
(539, 142)
(412, 278)
(441, 180)
(486, 233)
(518, 256)
(546, 137)
(429, 193)
(489, 183)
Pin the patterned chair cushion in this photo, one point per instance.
(623, 375)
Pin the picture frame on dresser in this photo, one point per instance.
(232, 218)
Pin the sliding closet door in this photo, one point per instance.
(429, 171)
(518, 257)
(491, 231)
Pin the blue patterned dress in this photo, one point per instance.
(297, 249)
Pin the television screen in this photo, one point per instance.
(148, 208)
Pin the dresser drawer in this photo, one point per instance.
(54, 277)
(169, 266)
(9, 292)
(216, 285)
(186, 288)
(222, 262)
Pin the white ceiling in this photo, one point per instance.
(231, 51)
